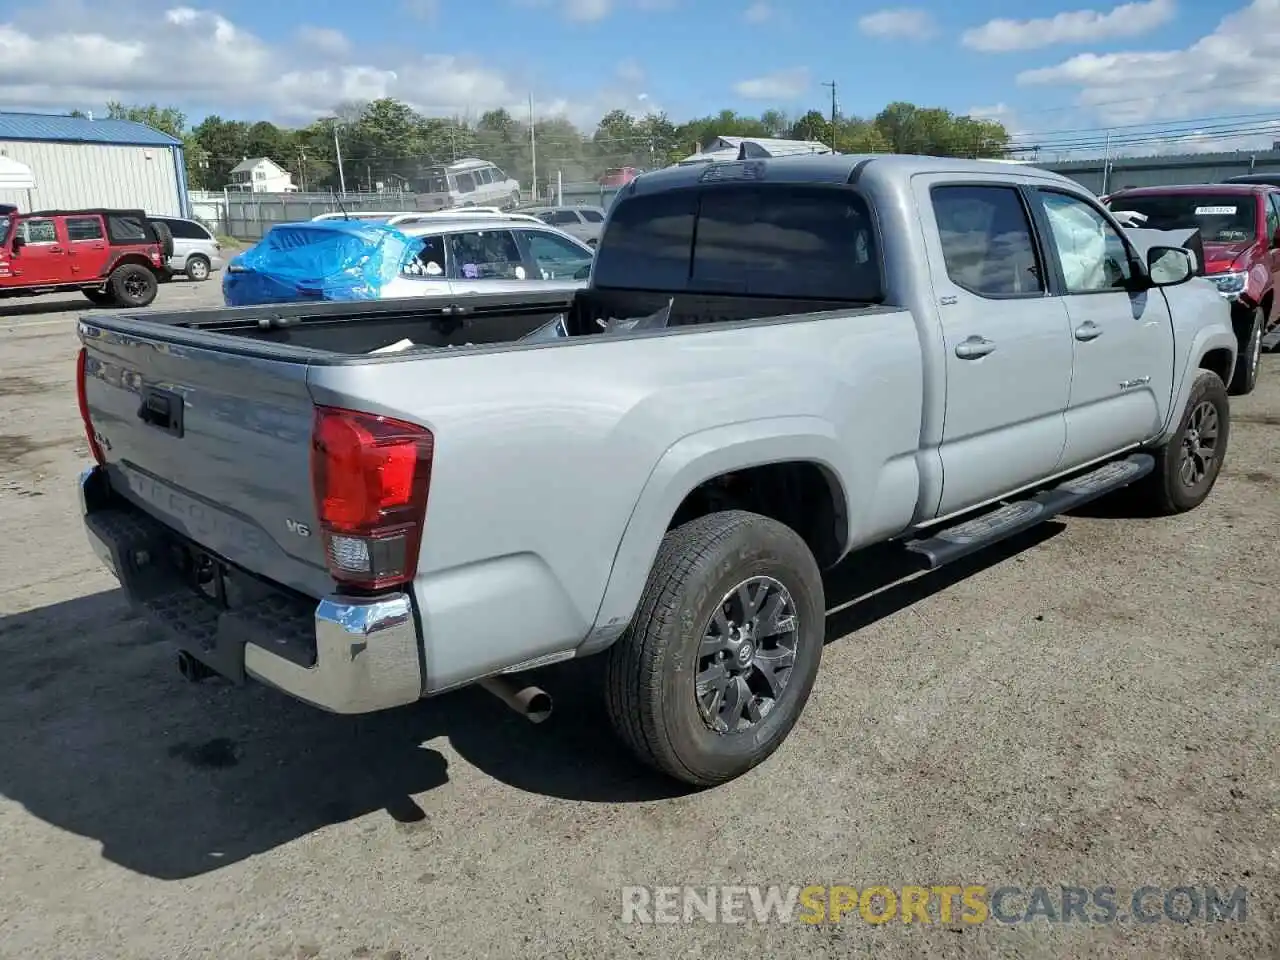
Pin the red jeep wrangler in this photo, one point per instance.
(114, 257)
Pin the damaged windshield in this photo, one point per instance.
(1221, 218)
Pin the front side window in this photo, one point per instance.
(83, 228)
(556, 257)
(560, 217)
(39, 231)
(485, 255)
(592, 216)
(1093, 255)
(987, 243)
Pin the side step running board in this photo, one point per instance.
(973, 535)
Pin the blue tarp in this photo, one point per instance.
(317, 260)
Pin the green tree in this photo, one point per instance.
(812, 126)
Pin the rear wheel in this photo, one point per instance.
(1249, 331)
(197, 268)
(713, 672)
(133, 285)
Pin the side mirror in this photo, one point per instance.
(1169, 266)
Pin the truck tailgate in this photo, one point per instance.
(215, 445)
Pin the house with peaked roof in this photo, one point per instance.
(261, 175)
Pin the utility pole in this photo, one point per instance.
(337, 149)
(1106, 164)
(533, 148)
(832, 85)
(302, 168)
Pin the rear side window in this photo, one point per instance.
(466, 183)
(127, 230)
(187, 230)
(592, 216)
(799, 242)
(986, 239)
(561, 217)
(84, 228)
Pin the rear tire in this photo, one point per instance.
(198, 268)
(1245, 377)
(133, 285)
(1183, 477)
(687, 686)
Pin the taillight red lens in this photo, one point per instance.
(371, 476)
(82, 359)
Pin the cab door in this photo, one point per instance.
(1006, 338)
(87, 250)
(1121, 336)
(42, 258)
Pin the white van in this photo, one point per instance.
(467, 183)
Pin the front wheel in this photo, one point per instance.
(133, 285)
(1188, 465)
(1245, 377)
(715, 669)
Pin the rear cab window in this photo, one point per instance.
(772, 240)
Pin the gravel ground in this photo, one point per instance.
(1094, 705)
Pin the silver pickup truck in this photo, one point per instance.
(776, 363)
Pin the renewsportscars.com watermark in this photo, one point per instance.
(937, 903)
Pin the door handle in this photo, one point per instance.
(56, 250)
(1088, 331)
(974, 348)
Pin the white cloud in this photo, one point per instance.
(203, 63)
(1231, 69)
(905, 23)
(758, 12)
(781, 85)
(425, 10)
(587, 11)
(1073, 26)
(324, 39)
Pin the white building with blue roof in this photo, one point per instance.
(78, 162)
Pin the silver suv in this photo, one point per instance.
(196, 251)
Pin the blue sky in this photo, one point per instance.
(1057, 65)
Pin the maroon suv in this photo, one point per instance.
(1240, 229)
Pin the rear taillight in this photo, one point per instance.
(82, 360)
(371, 475)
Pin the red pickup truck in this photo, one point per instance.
(113, 257)
(1239, 226)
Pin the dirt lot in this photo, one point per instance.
(1096, 705)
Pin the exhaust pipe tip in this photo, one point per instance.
(530, 701)
(192, 670)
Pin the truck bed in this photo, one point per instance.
(347, 330)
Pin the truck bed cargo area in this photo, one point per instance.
(349, 330)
